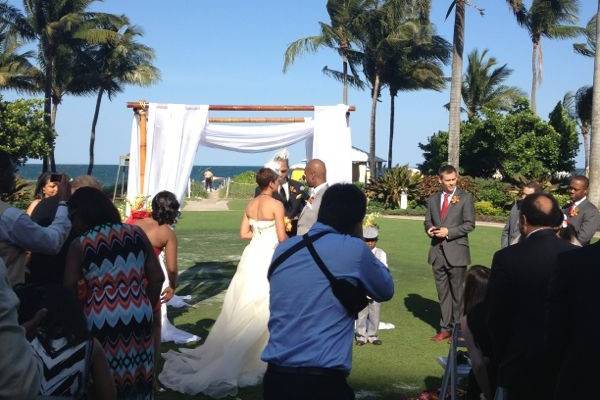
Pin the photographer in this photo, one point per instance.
(310, 345)
(19, 369)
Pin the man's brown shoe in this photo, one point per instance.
(443, 335)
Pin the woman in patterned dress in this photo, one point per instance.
(113, 269)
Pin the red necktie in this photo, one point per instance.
(444, 210)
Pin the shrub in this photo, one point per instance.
(245, 177)
(495, 191)
(22, 194)
(487, 208)
(388, 188)
(430, 185)
(240, 190)
(562, 198)
(198, 190)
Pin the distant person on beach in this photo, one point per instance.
(208, 180)
(45, 187)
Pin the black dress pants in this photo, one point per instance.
(279, 385)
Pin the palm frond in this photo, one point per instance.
(299, 47)
(353, 81)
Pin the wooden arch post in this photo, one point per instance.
(140, 108)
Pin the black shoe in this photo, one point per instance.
(377, 342)
(360, 342)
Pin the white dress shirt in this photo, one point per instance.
(286, 190)
(450, 196)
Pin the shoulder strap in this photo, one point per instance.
(289, 252)
(318, 259)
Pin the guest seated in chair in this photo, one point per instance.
(474, 330)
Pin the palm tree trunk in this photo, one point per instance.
(53, 125)
(585, 132)
(48, 118)
(374, 96)
(93, 133)
(391, 142)
(594, 191)
(345, 71)
(534, 75)
(456, 85)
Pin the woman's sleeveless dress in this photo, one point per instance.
(117, 309)
(230, 356)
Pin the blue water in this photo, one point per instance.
(107, 174)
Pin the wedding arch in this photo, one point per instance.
(166, 137)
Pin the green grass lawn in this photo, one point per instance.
(404, 365)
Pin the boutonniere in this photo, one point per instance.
(573, 212)
(455, 199)
(292, 189)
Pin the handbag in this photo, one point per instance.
(352, 297)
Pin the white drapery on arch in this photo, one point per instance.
(176, 131)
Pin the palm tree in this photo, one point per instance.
(554, 19)
(595, 140)
(456, 81)
(341, 35)
(15, 68)
(418, 67)
(588, 48)
(55, 26)
(117, 63)
(579, 107)
(483, 85)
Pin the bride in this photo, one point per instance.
(230, 356)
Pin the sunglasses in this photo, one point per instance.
(370, 240)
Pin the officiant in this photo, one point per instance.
(292, 194)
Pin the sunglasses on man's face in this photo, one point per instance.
(370, 240)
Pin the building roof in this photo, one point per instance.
(359, 155)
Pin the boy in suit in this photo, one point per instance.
(449, 219)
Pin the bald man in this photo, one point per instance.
(315, 174)
(517, 299)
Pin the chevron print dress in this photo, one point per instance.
(117, 309)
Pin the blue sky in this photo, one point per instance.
(231, 52)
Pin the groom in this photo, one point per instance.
(291, 193)
(449, 219)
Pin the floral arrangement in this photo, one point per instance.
(370, 220)
(288, 224)
(138, 208)
(573, 212)
(455, 199)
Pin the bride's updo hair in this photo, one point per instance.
(165, 208)
(265, 176)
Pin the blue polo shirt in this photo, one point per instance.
(308, 326)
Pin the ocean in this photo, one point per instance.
(107, 174)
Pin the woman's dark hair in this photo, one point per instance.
(476, 284)
(65, 316)
(7, 173)
(165, 208)
(43, 179)
(265, 176)
(89, 207)
(343, 207)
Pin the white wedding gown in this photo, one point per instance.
(230, 356)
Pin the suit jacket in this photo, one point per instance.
(586, 222)
(511, 232)
(310, 212)
(572, 325)
(517, 300)
(297, 199)
(460, 220)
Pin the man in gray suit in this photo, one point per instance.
(315, 174)
(511, 233)
(581, 213)
(449, 219)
